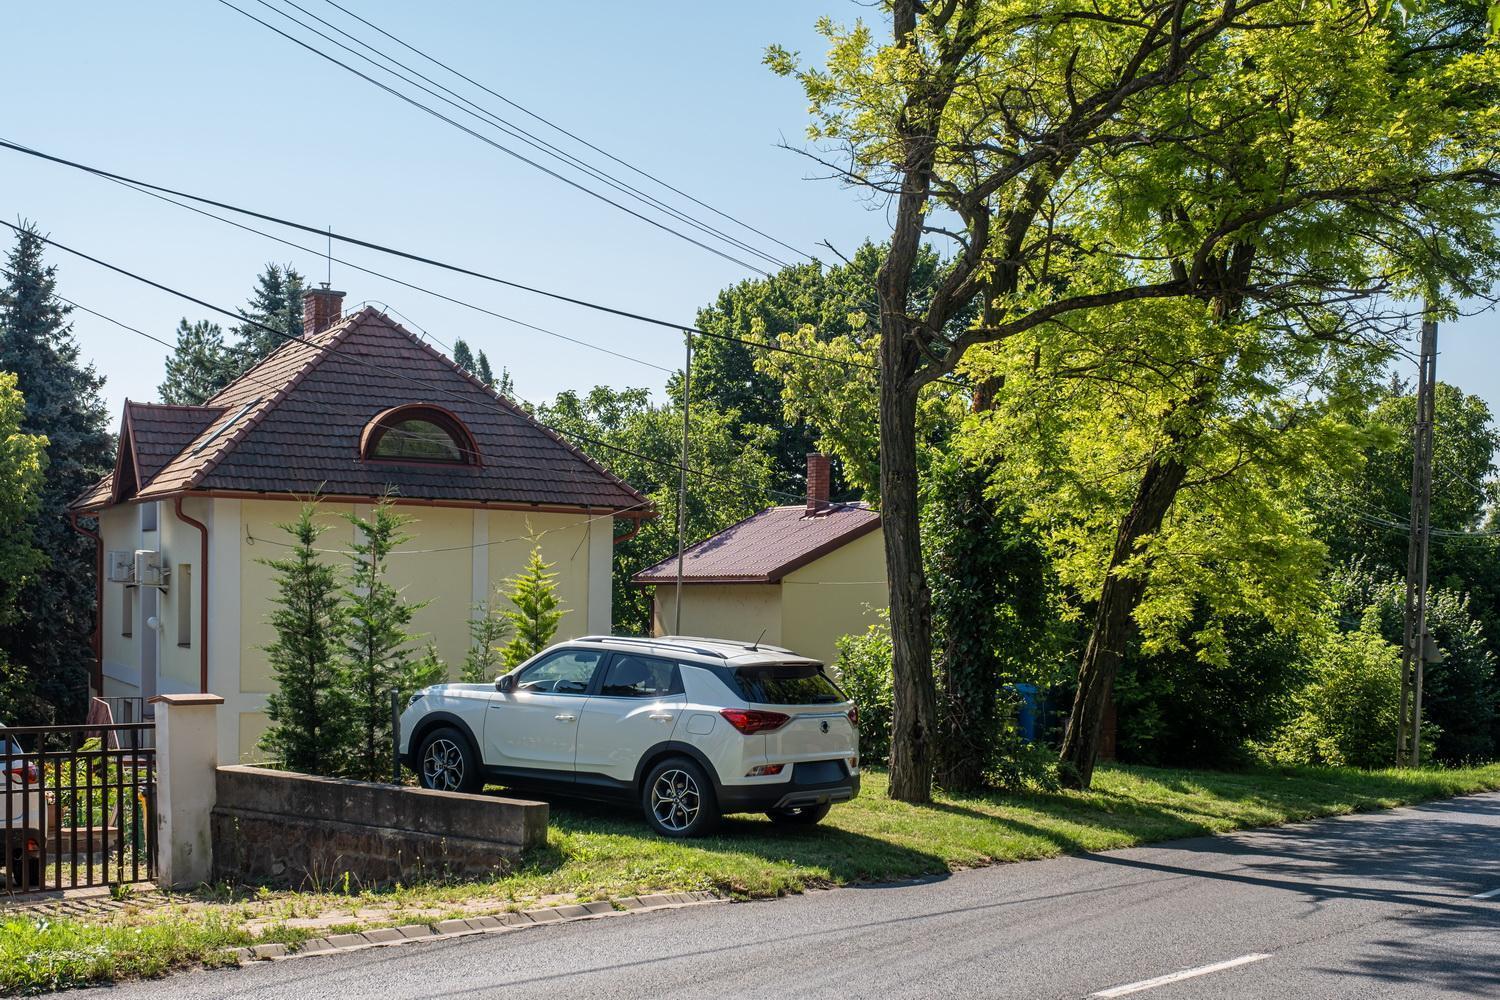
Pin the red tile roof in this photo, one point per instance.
(292, 425)
(765, 547)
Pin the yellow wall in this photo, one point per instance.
(839, 594)
(119, 527)
(261, 537)
(512, 533)
(722, 611)
(180, 543)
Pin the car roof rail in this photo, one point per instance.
(665, 640)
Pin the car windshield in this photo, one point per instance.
(785, 684)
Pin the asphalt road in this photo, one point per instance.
(1377, 905)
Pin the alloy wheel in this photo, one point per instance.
(675, 800)
(443, 766)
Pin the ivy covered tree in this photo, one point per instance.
(310, 710)
(199, 366)
(376, 638)
(537, 611)
(49, 634)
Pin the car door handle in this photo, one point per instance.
(565, 717)
(661, 716)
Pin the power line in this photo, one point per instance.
(491, 142)
(482, 113)
(324, 232)
(571, 135)
(507, 408)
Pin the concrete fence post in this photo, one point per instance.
(187, 757)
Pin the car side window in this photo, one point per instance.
(568, 671)
(631, 676)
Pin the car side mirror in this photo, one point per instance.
(505, 684)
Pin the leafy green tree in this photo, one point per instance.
(462, 356)
(537, 611)
(376, 658)
(735, 479)
(22, 459)
(49, 635)
(488, 629)
(1234, 158)
(311, 715)
(275, 302)
(200, 365)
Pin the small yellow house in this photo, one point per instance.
(798, 576)
(356, 410)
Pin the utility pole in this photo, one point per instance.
(1416, 643)
(687, 379)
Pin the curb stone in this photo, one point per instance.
(496, 924)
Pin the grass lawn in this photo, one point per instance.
(599, 852)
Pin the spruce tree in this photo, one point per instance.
(200, 364)
(276, 302)
(537, 610)
(376, 639)
(483, 372)
(488, 628)
(50, 633)
(462, 356)
(311, 725)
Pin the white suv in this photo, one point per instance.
(689, 728)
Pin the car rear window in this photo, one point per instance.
(784, 684)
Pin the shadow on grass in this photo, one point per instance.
(822, 855)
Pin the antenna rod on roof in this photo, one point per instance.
(756, 644)
(329, 282)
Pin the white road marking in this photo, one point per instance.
(1486, 895)
(1202, 970)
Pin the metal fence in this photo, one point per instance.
(79, 805)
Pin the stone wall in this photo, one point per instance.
(311, 832)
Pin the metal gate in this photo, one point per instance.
(79, 805)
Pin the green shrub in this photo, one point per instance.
(864, 667)
(1347, 713)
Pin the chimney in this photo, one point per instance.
(321, 308)
(817, 483)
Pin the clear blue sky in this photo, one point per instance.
(195, 96)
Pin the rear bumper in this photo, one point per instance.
(787, 794)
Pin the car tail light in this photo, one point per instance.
(762, 770)
(751, 721)
(33, 846)
(854, 716)
(23, 772)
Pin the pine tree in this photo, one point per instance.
(275, 302)
(376, 640)
(200, 364)
(537, 610)
(462, 356)
(50, 634)
(482, 370)
(488, 628)
(311, 725)
(507, 386)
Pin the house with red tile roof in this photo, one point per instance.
(357, 409)
(798, 576)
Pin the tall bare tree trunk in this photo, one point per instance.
(914, 726)
(1113, 621)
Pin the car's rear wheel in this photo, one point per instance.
(679, 800)
(799, 815)
(446, 762)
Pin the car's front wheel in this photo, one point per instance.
(799, 815)
(679, 800)
(446, 762)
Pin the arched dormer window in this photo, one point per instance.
(418, 432)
